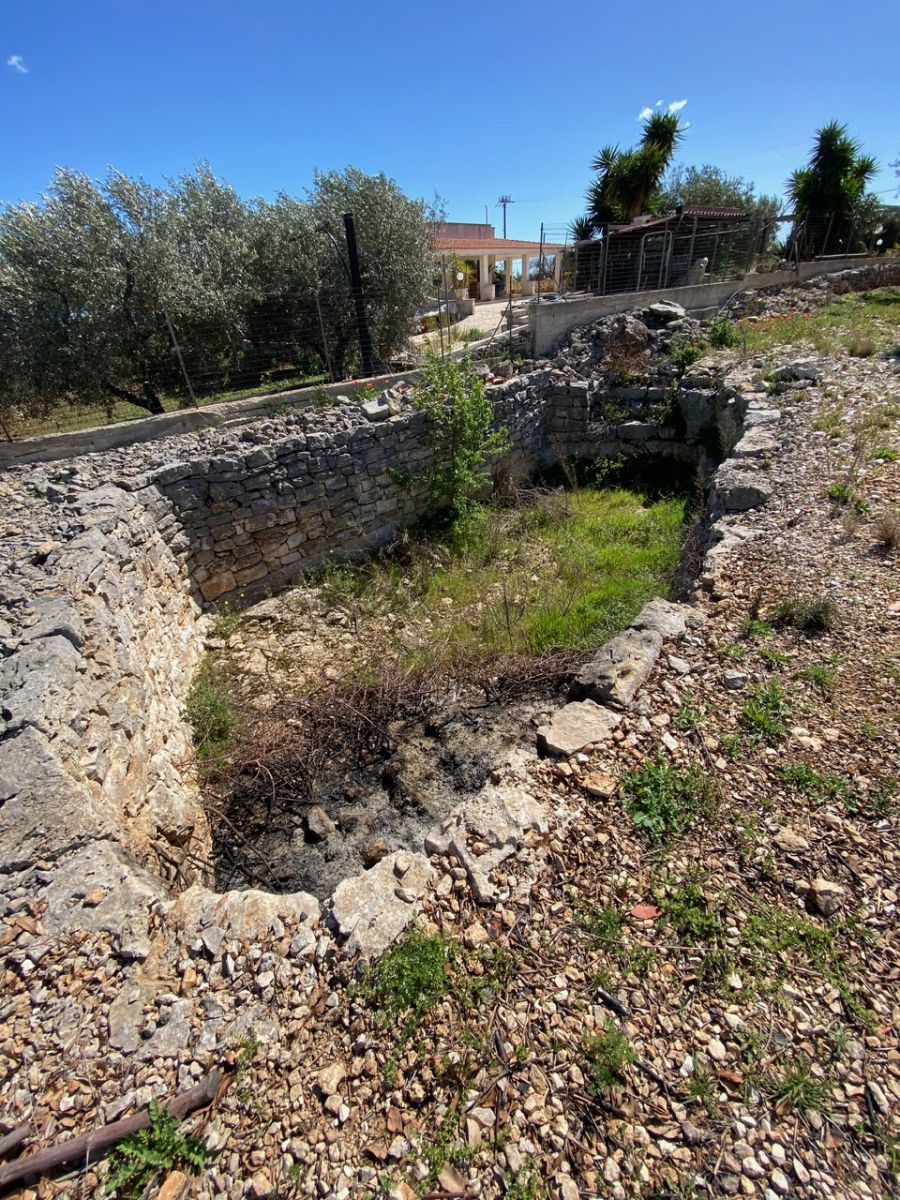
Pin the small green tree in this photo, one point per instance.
(460, 418)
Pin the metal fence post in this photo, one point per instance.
(187, 378)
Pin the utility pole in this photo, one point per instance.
(502, 203)
(365, 341)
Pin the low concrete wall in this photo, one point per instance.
(549, 323)
(848, 262)
(54, 446)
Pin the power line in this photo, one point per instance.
(502, 203)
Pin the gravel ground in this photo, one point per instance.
(716, 1015)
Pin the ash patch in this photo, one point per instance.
(286, 833)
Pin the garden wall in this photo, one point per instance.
(549, 323)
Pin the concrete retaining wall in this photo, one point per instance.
(549, 323)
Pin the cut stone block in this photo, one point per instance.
(621, 667)
(576, 725)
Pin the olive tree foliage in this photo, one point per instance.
(394, 236)
(91, 277)
(709, 187)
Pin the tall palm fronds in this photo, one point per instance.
(628, 181)
(827, 193)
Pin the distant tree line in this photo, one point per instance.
(97, 278)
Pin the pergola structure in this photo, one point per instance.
(479, 245)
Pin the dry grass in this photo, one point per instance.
(886, 528)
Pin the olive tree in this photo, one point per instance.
(88, 277)
(394, 235)
(96, 278)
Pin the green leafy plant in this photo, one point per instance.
(409, 978)
(840, 493)
(142, 1157)
(722, 331)
(819, 614)
(663, 800)
(459, 433)
(684, 351)
(820, 786)
(607, 1054)
(765, 712)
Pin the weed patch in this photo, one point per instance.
(816, 615)
(798, 1088)
(663, 800)
(409, 979)
(818, 786)
(765, 712)
(141, 1158)
(606, 1055)
(209, 712)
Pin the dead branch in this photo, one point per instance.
(87, 1147)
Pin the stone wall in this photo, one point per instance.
(309, 487)
(107, 562)
(96, 795)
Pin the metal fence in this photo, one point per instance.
(683, 253)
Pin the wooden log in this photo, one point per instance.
(89, 1146)
(14, 1138)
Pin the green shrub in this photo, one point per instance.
(722, 331)
(459, 433)
(816, 615)
(663, 800)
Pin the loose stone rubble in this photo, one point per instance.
(117, 989)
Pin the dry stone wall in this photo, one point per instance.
(108, 561)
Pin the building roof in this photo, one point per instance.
(642, 225)
(733, 214)
(492, 245)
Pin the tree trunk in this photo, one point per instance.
(148, 399)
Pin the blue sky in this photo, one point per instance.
(466, 99)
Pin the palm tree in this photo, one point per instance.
(581, 229)
(827, 193)
(628, 181)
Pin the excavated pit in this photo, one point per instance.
(342, 774)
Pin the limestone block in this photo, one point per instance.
(740, 486)
(621, 667)
(499, 815)
(217, 585)
(371, 910)
(574, 726)
(249, 915)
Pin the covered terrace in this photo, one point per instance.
(477, 245)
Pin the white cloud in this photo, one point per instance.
(658, 103)
(645, 113)
(677, 105)
(17, 62)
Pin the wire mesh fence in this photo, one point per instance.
(653, 254)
